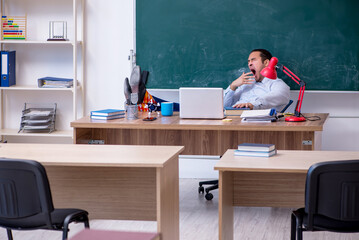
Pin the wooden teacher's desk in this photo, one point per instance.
(201, 137)
(277, 181)
(111, 182)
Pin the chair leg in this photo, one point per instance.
(299, 228)
(210, 182)
(215, 186)
(9, 234)
(86, 221)
(293, 228)
(80, 218)
(65, 232)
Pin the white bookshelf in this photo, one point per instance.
(72, 63)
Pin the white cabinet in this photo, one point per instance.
(36, 57)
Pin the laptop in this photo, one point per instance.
(202, 103)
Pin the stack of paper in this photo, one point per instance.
(264, 115)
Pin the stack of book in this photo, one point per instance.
(256, 150)
(231, 111)
(107, 114)
(264, 115)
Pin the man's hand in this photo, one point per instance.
(244, 105)
(245, 78)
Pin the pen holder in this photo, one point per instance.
(131, 112)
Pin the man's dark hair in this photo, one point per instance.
(265, 54)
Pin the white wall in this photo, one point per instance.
(109, 38)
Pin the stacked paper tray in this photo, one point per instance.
(38, 118)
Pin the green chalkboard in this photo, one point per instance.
(206, 43)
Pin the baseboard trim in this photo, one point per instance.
(198, 166)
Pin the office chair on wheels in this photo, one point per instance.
(26, 201)
(201, 189)
(214, 183)
(331, 199)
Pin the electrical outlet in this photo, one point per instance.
(97, 142)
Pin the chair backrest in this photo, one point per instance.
(24, 189)
(332, 190)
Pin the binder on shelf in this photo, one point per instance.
(54, 82)
(8, 64)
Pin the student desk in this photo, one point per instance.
(111, 181)
(277, 181)
(201, 137)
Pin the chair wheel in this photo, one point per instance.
(200, 189)
(209, 196)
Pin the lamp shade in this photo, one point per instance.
(270, 71)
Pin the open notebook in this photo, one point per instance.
(202, 103)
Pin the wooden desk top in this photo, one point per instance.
(175, 123)
(284, 161)
(91, 155)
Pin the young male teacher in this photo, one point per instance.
(254, 91)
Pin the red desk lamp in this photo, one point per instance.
(271, 73)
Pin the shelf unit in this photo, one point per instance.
(75, 42)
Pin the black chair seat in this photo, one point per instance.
(37, 221)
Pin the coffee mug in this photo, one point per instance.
(167, 108)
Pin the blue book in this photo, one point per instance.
(108, 117)
(256, 147)
(107, 112)
(254, 153)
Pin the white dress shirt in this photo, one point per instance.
(265, 94)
